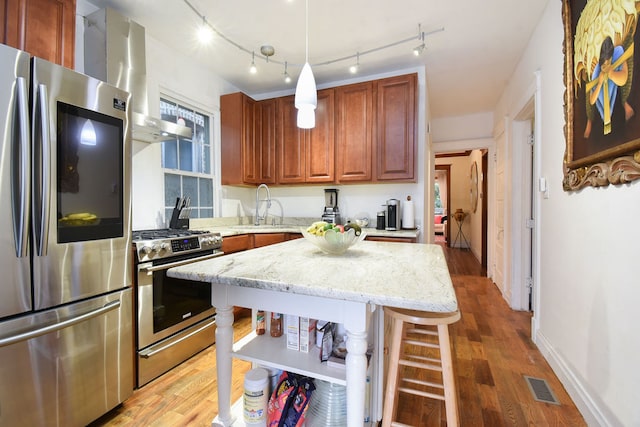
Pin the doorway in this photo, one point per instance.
(442, 190)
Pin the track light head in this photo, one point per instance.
(253, 69)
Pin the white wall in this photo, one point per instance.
(173, 73)
(587, 299)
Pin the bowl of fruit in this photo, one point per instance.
(333, 239)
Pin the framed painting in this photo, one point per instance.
(602, 96)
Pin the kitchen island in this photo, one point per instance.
(296, 278)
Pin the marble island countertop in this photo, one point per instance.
(232, 227)
(406, 275)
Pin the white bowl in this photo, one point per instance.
(334, 242)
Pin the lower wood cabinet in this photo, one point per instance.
(241, 242)
(391, 239)
(260, 239)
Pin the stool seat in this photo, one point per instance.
(420, 343)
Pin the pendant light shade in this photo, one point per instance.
(306, 93)
(306, 116)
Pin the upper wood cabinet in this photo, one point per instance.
(306, 155)
(354, 132)
(365, 132)
(44, 28)
(232, 133)
(259, 150)
(248, 151)
(396, 128)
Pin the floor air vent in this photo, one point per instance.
(540, 390)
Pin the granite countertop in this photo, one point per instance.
(231, 227)
(406, 275)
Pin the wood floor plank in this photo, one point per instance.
(492, 351)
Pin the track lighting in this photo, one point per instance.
(204, 32)
(287, 77)
(267, 51)
(419, 49)
(253, 69)
(354, 68)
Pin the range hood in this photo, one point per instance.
(114, 52)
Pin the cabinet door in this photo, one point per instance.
(251, 124)
(396, 128)
(231, 132)
(231, 244)
(267, 141)
(291, 152)
(320, 146)
(267, 239)
(354, 140)
(44, 28)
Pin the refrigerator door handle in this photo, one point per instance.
(36, 332)
(42, 166)
(22, 177)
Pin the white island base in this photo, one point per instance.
(272, 352)
(295, 278)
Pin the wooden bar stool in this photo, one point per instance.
(420, 340)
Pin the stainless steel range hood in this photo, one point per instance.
(114, 52)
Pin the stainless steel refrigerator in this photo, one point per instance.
(66, 345)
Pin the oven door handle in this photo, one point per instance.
(151, 269)
(150, 352)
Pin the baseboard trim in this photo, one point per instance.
(585, 403)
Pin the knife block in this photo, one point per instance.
(178, 223)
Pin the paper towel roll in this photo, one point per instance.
(408, 218)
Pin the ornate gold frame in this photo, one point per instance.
(616, 165)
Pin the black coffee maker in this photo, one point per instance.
(331, 212)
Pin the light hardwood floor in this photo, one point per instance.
(492, 350)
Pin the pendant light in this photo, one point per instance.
(306, 99)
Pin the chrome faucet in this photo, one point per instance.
(268, 200)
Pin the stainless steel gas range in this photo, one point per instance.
(175, 318)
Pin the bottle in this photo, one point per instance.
(276, 324)
(256, 397)
(260, 323)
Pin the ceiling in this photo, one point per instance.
(467, 63)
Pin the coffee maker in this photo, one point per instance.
(393, 215)
(331, 212)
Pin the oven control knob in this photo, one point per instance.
(146, 250)
(157, 248)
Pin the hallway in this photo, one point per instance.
(492, 353)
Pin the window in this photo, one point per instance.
(187, 162)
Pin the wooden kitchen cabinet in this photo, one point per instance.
(391, 239)
(266, 239)
(354, 132)
(248, 151)
(231, 244)
(396, 128)
(259, 149)
(232, 137)
(306, 155)
(44, 28)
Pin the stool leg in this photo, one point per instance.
(450, 396)
(390, 404)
